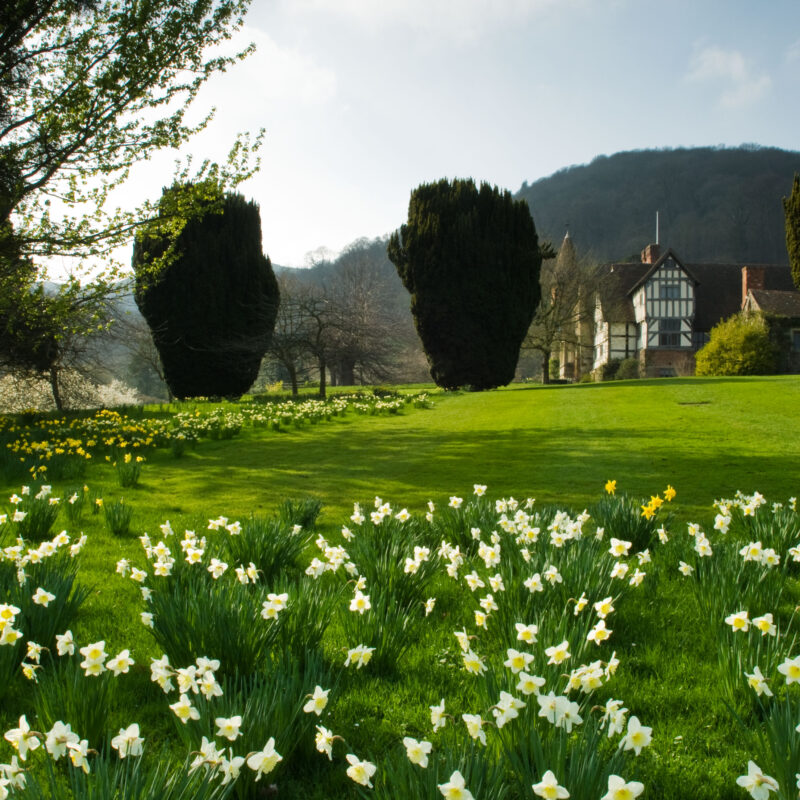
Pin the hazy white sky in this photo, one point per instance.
(363, 100)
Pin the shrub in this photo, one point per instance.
(608, 371)
(739, 345)
(628, 369)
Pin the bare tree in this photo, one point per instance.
(289, 338)
(367, 329)
(564, 316)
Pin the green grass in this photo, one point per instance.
(558, 444)
(706, 437)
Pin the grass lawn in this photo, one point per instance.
(559, 444)
(706, 437)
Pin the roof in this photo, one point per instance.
(614, 285)
(656, 265)
(718, 294)
(772, 301)
(718, 288)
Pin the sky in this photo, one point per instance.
(363, 100)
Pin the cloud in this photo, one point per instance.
(460, 19)
(740, 83)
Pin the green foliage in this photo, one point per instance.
(90, 88)
(65, 693)
(118, 517)
(791, 211)
(303, 512)
(739, 345)
(126, 779)
(129, 469)
(470, 259)
(57, 575)
(621, 516)
(212, 307)
(628, 369)
(194, 616)
(271, 544)
(608, 371)
(40, 515)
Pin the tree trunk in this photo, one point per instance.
(54, 387)
(322, 379)
(292, 370)
(546, 366)
(347, 372)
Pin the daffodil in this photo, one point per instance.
(42, 597)
(738, 621)
(757, 682)
(58, 737)
(121, 663)
(756, 782)
(264, 761)
(323, 740)
(599, 633)
(184, 710)
(455, 788)
(417, 751)
(604, 607)
(637, 736)
(473, 663)
(766, 625)
(526, 633)
(619, 789)
(517, 661)
(229, 727)
(128, 742)
(360, 603)
(23, 739)
(529, 684)
(360, 771)
(558, 653)
(317, 702)
(790, 668)
(438, 717)
(549, 787)
(474, 725)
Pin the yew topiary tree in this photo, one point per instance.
(470, 259)
(212, 307)
(791, 211)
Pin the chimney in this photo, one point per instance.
(752, 278)
(651, 254)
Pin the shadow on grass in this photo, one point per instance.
(412, 465)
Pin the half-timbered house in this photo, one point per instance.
(661, 309)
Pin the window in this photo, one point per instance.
(669, 332)
(796, 340)
(670, 291)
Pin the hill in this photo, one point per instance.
(714, 204)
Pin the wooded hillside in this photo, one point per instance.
(715, 204)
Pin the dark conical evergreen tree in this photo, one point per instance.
(212, 307)
(470, 259)
(791, 210)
